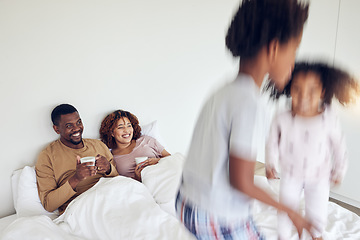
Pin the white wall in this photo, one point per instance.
(319, 35)
(347, 54)
(158, 59)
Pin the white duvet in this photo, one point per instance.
(122, 208)
(342, 224)
(115, 208)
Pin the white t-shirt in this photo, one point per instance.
(232, 120)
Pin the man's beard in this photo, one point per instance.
(76, 143)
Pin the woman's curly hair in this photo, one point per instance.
(335, 82)
(110, 123)
(258, 22)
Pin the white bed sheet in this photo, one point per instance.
(5, 221)
(342, 223)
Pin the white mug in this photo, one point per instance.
(90, 160)
(140, 159)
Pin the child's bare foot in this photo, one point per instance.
(318, 238)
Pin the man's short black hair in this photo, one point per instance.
(59, 110)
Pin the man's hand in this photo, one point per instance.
(83, 170)
(102, 164)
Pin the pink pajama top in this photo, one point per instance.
(308, 148)
(145, 147)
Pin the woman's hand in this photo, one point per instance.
(152, 161)
(142, 165)
(138, 170)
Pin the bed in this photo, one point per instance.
(122, 208)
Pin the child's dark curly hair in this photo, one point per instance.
(258, 22)
(335, 82)
(109, 124)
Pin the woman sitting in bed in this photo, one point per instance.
(121, 132)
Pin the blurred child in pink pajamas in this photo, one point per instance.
(307, 142)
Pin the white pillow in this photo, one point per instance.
(163, 180)
(27, 203)
(151, 130)
(14, 185)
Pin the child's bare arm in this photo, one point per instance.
(272, 150)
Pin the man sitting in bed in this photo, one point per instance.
(60, 176)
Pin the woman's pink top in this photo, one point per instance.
(145, 147)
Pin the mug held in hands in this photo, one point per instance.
(139, 160)
(89, 160)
